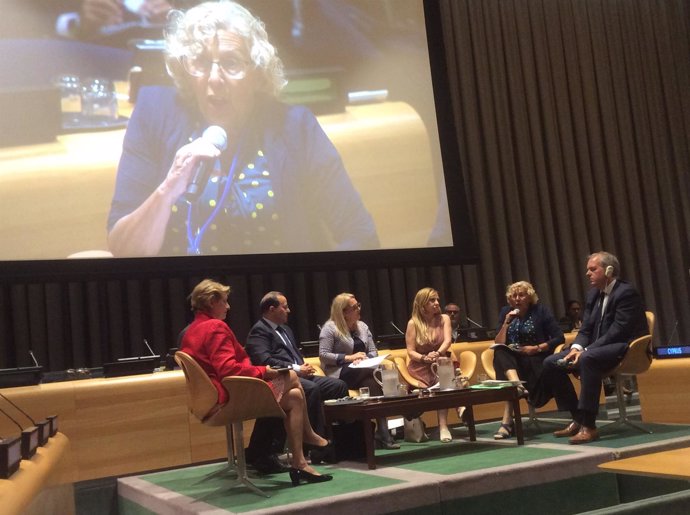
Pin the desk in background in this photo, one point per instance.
(665, 391)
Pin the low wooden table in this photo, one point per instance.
(673, 464)
(414, 405)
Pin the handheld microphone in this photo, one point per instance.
(473, 322)
(219, 139)
(396, 327)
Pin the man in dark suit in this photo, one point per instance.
(614, 316)
(271, 342)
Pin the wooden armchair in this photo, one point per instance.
(249, 398)
(637, 360)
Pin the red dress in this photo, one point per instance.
(214, 346)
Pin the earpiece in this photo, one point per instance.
(609, 271)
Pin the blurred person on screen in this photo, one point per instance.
(113, 22)
(280, 185)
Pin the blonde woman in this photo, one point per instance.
(211, 342)
(530, 333)
(346, 340)
(428, 337)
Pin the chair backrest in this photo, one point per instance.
(468, 362)
(203, 396)
(638, 357)
(651, 319)
(488, 363)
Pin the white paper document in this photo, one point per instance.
(370, 362)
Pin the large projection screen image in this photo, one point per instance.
(344, 157)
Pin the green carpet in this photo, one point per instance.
(454, 458)
(187, 482)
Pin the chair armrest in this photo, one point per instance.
(401, 363)
(488, 363)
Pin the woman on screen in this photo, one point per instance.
(428, 337)
(529, 333)
(210, 341)
(345, 340)
(265, 178)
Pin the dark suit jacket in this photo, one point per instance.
(265, 346)
(623, 321)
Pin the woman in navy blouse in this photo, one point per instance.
(528, 332)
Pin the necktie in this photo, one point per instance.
(599, 314)
(290, 347)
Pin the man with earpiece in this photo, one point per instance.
(614, 316)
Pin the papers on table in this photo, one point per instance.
(370, 362)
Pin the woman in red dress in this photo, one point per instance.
(210, 341)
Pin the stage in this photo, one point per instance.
(546, 474)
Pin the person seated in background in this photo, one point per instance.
(271, 342)
(528, 333)
(211, 342)
(427, 338)
(279, 185)
(113, 22)
(614, 316)
(573, 316)
(345, 340)
(453, 311)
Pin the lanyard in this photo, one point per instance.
(194, 241)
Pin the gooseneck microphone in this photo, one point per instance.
(219, 139)
(473, 322)
(396, 328)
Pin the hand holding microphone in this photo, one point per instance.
(193, 164)
(510, 315)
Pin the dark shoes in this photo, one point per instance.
(570, 430)
(585, 435)
(504, 432)
(297, 476)
(388, 444)
(268, 465)
(325, 454)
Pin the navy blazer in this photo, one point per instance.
(266, 347)
(623, 321)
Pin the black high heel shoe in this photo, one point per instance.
(321, 453)
(298, 475)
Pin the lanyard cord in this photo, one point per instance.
(195, 241)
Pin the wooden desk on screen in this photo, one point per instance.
(673, 464)
(665, 391)
(123, 425)
(55, 197)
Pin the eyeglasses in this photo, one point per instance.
(452, 312)
(354, 307)
(230, 65)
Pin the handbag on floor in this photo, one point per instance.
(414, 430)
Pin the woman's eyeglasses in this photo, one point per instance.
(200, 66)
(354, 307)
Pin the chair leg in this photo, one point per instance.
(622, 411)
(231, 463)
(242, 464)
(532, 419)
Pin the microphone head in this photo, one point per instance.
(216, 136)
